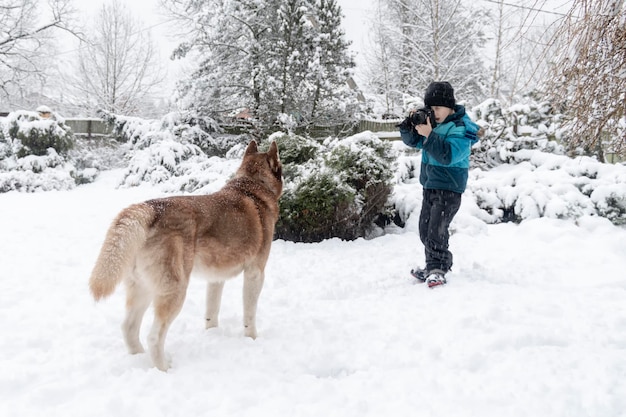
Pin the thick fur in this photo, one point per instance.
(154, 246)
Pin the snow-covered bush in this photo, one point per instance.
(506, 131)
(366, 163)
(36, 173)
(33, 153)
(95, 154)
(533, 184)
(296, 150)
(33, 135)
(172, 152)
(6, 144)
(141, 133)
(540, 184)
(319, 207)
(163, 159)
(334, 189)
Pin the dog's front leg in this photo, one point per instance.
(213, 303)
(252, 285)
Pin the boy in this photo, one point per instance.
(446, 149)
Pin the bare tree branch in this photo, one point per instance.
(27, 42)
(589, 75)
(118, 63)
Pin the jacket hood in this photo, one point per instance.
(471, 128)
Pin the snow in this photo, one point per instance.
(532, 323)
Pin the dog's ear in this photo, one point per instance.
(252, 148)
(273, 158)
(273, 150)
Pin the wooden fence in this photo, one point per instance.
(89, 128)
(384, 130)
(93, 128)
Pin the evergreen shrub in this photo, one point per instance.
(319, 208)
(37, 135)
(335, 189)
(34, 153)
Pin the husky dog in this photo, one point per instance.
(153, 247)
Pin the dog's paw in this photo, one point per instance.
(250, 332)
(136, 349)
(163, 365)
(160, 360)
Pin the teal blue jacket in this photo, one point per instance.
(445, 152)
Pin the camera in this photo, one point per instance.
(420, 116)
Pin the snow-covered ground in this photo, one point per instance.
(532, 323)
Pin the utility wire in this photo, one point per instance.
(525, 7)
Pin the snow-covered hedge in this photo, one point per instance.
(531, 177)
(519, 171)
(538, 184)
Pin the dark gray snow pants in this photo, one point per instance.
(438, 209)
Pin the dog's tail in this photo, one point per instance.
(126, 235)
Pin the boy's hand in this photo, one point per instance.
(424, 130)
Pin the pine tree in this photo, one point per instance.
(330, 67)
(230, 40)
(272, 57)
(291, 52)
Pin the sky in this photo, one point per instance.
(356, 15)
(356, 23)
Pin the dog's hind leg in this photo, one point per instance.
(252, 285)
(166, 308)
(213, 301)
(138, 299)
(173, 279)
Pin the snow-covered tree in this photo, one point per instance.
(589, 75)
(27, 43)
(229, 41)
(430, 40)
(118, 63)
(382, 66)
(519, 33)
(268, 56)
(289, 55)
(330, 67)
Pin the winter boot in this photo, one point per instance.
(435, 278)
(419, 274)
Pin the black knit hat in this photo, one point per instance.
(439, 94)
